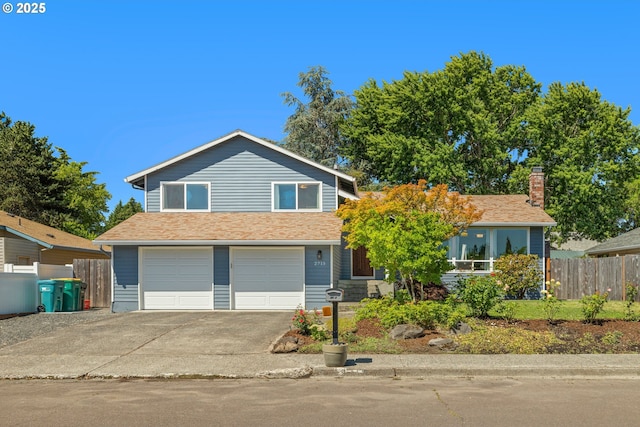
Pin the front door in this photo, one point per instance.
(360, 266)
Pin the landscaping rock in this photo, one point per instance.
(440, 342)
(463, 328)
(286, 345)
(406, 332)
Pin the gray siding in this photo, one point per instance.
(337, 265)
(221, 299)
(240, 172)
(13, 249)
(317, 276)
(125, 278)
(536, 241)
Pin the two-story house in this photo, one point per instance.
(241, 223)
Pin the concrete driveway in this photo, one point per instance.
(146, 344)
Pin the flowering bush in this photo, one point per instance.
(304, 321)
(551, 303)
(592, 305)
(518, 273)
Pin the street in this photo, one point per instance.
(322, 402)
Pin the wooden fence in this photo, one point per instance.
(96, 273)
(584, 276)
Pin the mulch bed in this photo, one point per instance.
(606, 336)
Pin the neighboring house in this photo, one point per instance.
(241, 223)
(624, 244)
(23, 242)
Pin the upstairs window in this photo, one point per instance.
(296, 196)
(185, 196)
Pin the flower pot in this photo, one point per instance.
(335, 355)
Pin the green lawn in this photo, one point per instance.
(569, 310)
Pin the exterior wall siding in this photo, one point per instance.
(536, 241)
(240, 172)
(337, 265)
(317, 276)
(221, 294)
(16, 248)
(125, 278)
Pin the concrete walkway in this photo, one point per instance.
(235, 345)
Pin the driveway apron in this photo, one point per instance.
(140, 337)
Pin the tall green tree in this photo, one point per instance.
(85, 200)
(122, 212)
(457, 126)
(53, 190)
(27, 172)
(313, 130)
(589, 150)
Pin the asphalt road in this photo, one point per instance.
(321, 402)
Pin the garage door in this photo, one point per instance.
(177, 278)
(268, 278)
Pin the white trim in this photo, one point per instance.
(225, 138)
(146, 194)
(513, 224)
(184, 183)
(151, 243)
(297, 186)
(347, 195)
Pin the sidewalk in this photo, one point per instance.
(234, 345)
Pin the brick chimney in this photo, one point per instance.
(536, 187)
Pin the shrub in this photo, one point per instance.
(518, 273)
(592, 305)
(506, 310)
(303, 320)
(480, 294)
(631, 293)
(551, 303)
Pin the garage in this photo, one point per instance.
(177, 278)
(267, 278)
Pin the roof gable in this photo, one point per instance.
(137, 179)
(43, 235)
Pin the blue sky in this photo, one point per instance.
(123, 85)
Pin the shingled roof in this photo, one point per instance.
(626, 243)
(43, 235)
(274, 228)
(510, 210)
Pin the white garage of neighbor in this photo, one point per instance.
(267, 278)
(175, 278)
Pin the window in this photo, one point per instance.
(511, 241)
(185, 196)
(296, 196)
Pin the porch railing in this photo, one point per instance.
(471, 265)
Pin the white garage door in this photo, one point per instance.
(177, 278)
(268, 278)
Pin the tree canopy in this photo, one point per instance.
(43, 187)
(122, 212)
(479, 129)
(313, 129)
(404, 229)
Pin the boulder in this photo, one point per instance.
(440, 342)
(461, 329)
(406, 332)
(285, 345)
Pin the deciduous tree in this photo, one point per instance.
(404, 230)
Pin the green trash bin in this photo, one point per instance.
(72, 295)
(51, 295)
